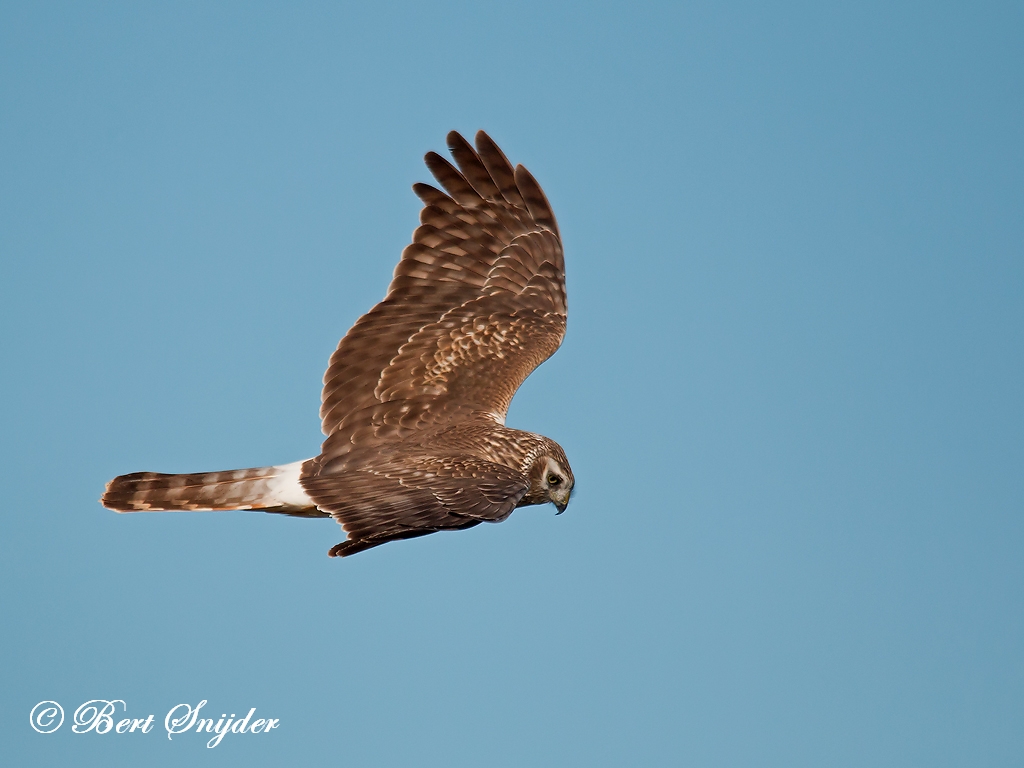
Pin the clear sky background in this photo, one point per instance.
(791, 389)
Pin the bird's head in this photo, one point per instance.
(551, 479)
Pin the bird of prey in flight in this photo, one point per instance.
(416, 394)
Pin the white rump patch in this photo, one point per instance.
(285, 488)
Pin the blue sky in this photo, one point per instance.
(790, 389)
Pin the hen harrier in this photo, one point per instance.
(415, 396)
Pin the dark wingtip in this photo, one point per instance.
(536, 201)
(454, 139)
(346, 548)
(454, 183)
(499, 168)
(434, 160)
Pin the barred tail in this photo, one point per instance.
(269, 489)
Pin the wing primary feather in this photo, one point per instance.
(432, 196)
(500, 169)
(454, 182)
(474, 171)
(536, 201)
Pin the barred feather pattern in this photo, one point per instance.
(267, 489)
(416, 394)
(485, 272)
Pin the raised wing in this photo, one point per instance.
(476, 304)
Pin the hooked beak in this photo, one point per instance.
(561, 500)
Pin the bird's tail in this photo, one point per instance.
(269, 489)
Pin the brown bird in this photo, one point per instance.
(416, 394)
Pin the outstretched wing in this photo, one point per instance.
(413, 495)
(476, 304)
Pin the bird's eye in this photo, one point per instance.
(554, 479)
